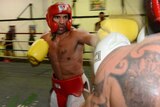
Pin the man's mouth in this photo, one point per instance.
(61, 28)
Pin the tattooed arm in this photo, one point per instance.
(129, 77)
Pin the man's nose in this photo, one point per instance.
(61, 20)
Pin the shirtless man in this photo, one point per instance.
(98, 24)
(65, 46)
(126, 75)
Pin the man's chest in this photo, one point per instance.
(62, 47)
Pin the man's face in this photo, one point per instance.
(61, 19)
(101, 16)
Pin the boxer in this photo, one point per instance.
(64, 46)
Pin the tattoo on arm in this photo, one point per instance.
(140, 83)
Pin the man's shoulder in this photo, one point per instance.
(77, 31)
(46, 35)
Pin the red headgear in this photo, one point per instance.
(58, 8)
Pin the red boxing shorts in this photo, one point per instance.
(63, 88)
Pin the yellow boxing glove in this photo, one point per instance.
(127, 27)
(38, 51)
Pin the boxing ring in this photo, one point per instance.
(24, 85)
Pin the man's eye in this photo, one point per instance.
(56, 17)
(65, 17)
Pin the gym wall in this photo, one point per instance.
(11, 9)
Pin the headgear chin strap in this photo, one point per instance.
(58, 8)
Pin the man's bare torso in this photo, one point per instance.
(65, 54)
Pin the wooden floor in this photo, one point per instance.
(22, 85)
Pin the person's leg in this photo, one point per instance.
(58, 100)
(53, 100)
(6, 53)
